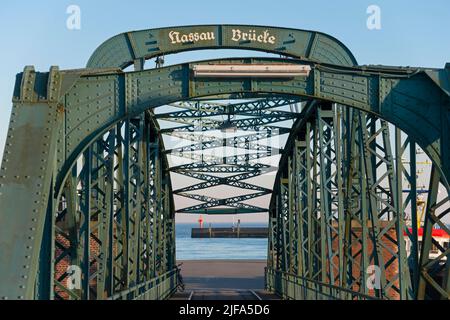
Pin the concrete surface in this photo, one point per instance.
(223, 280)
(223, 274)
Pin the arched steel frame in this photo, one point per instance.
(81, 175)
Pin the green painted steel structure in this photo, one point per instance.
(85, 186)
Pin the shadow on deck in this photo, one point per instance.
(223, 280)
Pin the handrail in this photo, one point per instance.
(308, 286)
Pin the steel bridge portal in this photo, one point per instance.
(85, 181)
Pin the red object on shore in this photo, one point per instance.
(434, 233)
(200, 221)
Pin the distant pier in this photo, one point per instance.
(259, 232)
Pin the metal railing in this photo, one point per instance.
(159, 288)
(293, 287)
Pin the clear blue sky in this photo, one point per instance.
(35, 33)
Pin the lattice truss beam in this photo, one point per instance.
(344, 222)
(233, 152)
(204, 115)
(114, 222)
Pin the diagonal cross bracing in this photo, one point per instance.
(249, 148)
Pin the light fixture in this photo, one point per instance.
(250, 70)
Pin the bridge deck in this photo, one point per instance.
(223, 280)
(224, 294)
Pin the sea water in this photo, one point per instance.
(188, 248)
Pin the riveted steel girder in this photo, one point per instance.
(405, 98)
(206, 167)
(124, 49)
(84, 156)
(197, 109)
(236, 202)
